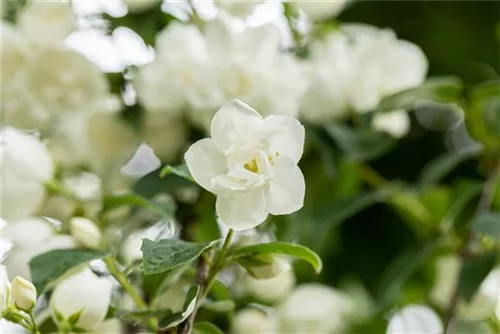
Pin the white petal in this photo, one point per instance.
(261, 43)
(243, 210)
(235, 123)
(289, 136)
(142, 163)
(415, 319)
(219, 38)
(286, 190)
(205, 162)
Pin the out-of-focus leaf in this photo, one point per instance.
(438, 168)
(219, 305)
(294, 250)
(464, 193)
(110, 202)
(439, 89)
(168, 254)
(487, 223)
(360, 145)
(205, 327)
(473, 273)
(181, 170)
(400, 271)
(472, 327)
(49, 267)
(437, 200)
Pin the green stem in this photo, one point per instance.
(129, 289)
(34, 328)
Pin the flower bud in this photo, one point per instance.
(267, 266)
(23, 294)
(270, 290)
(415, 319)
(4, 288)
(85, 232)
(252, 321)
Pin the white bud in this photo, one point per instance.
(4, 288)
(83, 293)
(23, 294)
(396, 123)
(85, 232)
(252, 321)
(268, 266)
(415, 319)
(270, 290)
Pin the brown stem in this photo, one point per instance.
(484, 204)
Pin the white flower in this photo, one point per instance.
(47, 22)
(25, 166)
(23, 294)
(85, 232)
(135, 6)
(314, 308)
(83, 292)
(396, 123)
(248, 66)
(4, 288)
(250, 163)
(15, 53)
(166, 135)
(484, 303)
(56, 81)
(238, 7)
(252, 321)
(270, 290)
(109, 326)
(164, 84)
(415, 319)
(385, 65)
(320, 9)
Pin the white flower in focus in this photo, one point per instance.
(250, 163)
(240, 8)
(270, 290)
(23, 294)
(164, 84)
(319, 10)
(314, 308)
(252, 321)
(385, 65)
(415, 319)
(396, 123)
(82, 292)
(4, 288)
(85, 232)
(47, 22)
(136, 6)
(24, 168)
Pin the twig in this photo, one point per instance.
(484, 205)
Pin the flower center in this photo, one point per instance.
(252, 166)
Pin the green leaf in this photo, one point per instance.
(472, 327)
(294, 250)
(439, 89)
(168, 254)
(49, 267)
(205, 327)
(473, 273)
(487, 223)
(360, 145)
(438, 168)
(181, 170)
(130, 199)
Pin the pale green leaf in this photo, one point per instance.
(130, 199)
(487, 223)
(181, 171)
(205, 327)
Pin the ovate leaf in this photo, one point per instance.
(174, 319)
(130, 199)
(181, 170)
(205, 327)
(49, 267)
(487, 223)
(168, 254)
(293, 250)
(473, 273)
(438, 168)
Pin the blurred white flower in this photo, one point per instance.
(47, 22)
(252, 321)
(136, 6)
(320, 9)
(5, 244)
(4, 288)
(248, 66)
(447, 270)
(250, 163)
(240, 8)
(15, 53)
(24, 168)
(268, 266)
(85, 232)
(164, 84)
(270, 290)
(23, 294)
(166, 135)
(174, 297)
(314, 308)
(385, 65)
(30, 237)
(415, 319)
(82, 292)
(396, 123)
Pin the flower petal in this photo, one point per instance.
(286, 190)
(287, 137)
(205, 162)
(243, 210)
(235, 123)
